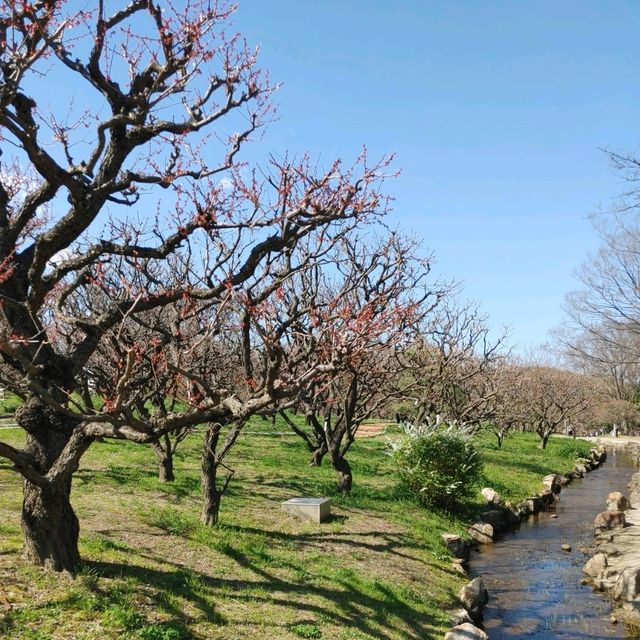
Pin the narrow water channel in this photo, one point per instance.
(534, 586)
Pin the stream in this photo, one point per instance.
(534, 587)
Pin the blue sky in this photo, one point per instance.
(497, 112)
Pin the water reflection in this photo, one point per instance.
(534, 586)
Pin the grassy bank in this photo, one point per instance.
(152, 572)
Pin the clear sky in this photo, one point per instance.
(497, 112)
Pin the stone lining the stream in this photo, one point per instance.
(499, 518)
(615, 567)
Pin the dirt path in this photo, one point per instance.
(370, 430)
(629, 443)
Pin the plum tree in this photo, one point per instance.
(110, 182)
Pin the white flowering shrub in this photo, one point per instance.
(439, 462)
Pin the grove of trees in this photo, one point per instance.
(150, 282)
(115, 297)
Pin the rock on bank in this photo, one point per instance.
(615, 567)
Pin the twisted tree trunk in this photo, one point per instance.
(317, 456)
(345, 475)
(213, 455)
(211, 494)
(544, 438)
(50, 526)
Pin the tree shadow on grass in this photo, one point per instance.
(334, 518)
(379, 542)
(114, 475)
(180, 582)
(134, 477)
(269, 577)
(537, 468)
(372, 608)
(102, 599)
(363, 495)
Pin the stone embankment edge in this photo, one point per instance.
(615, 566)
(473, 595)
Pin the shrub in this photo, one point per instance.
(439, 463)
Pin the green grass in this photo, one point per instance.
(515, 470)
(9, 403)
(378, 569)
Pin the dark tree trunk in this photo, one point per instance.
(211, 502)
(165, 469)
(50, 526)
(544, 438)
(317, 456)
(211, 496)
(164, 455)
(214, 483)
(211, 492)
(345, 475)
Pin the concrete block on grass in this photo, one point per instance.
(314, 509)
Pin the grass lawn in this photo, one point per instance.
(151, 571)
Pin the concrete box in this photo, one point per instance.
(314, 509)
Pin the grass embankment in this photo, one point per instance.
(152, 572)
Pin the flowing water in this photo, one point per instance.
(534, 587)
